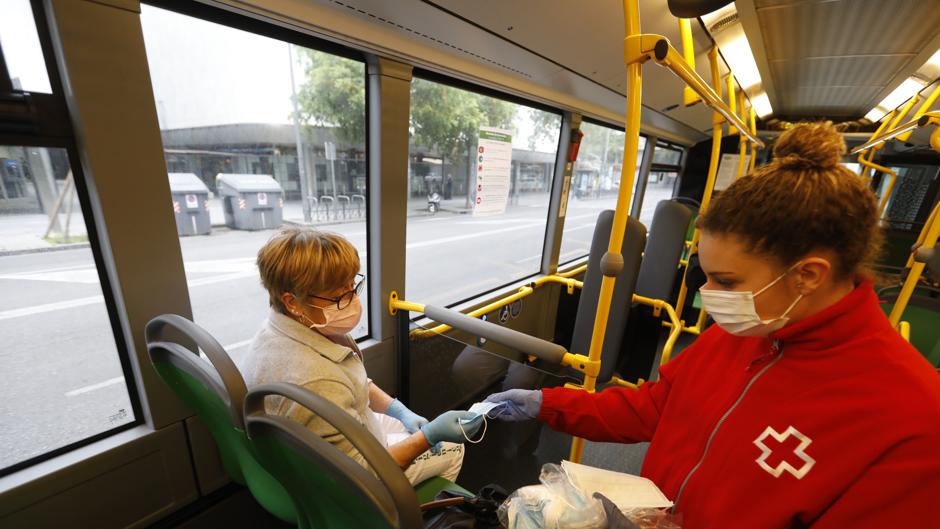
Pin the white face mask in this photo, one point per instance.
(735, 312)
(338, 321)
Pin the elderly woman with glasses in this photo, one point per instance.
(313, 282)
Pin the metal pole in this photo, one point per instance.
(621, 212)
(332, 177)
(301, 162)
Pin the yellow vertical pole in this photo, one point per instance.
(863, 173)
(631, 11)
(717, 122)
(753, 161)
(742, 156)
(689, 97)
(732, 102)
(923, 232)
(892, 178)
(930, 234)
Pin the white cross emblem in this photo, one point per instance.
(805, 441)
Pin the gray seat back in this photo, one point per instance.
(663, 250)
(634, 240)
(329, 488)
(220, 375)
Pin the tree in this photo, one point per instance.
(547, 125)
(333, 95)
(443, 118)
(449, 119)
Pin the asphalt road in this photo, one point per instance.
(61, 380)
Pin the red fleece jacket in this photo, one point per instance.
(831, 423)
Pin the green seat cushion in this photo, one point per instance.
(428, 489)
(925, 333)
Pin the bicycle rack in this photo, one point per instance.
(343, 202)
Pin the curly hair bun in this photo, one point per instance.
(809, 146)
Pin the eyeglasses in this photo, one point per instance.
(343, 300)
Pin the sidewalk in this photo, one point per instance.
(23, 233)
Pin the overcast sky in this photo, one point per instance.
(202, 73)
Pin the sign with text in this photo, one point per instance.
(728, 170)
(494, 165)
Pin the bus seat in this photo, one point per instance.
(664, 245)
(327, 487)
(215, 390)
(657, 279)
(634, 239)
(921, 312)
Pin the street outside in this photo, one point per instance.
(62, 380)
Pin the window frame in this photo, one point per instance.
(460, 84)
(266, 28)
(601, 123)
(49, 126)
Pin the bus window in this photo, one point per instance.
(661, 181)
(595, 182)
(256, 132)
(21, 49)
(479, 182)
(62, 380)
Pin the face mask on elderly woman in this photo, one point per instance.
(338, 321)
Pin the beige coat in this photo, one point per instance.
(286, 351)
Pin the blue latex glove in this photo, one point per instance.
(412, 421)
(445, 427)
(516, 405)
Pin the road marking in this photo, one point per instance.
(580, 227)
(49, 307)
(455, 238)
(118, 380)
(93, 387)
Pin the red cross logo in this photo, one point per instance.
(785, 449)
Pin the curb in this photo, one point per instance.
(44, 249)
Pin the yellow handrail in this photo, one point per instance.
(863, 170)
(578, 362)
(574, 271)
(923, 235)
(709, 181)
(928, 102)
(905, 329)
(929, 118)
(667, 56)
(522, 292)
(893, 176)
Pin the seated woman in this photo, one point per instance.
(313, 282)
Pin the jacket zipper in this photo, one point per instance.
(776, 348)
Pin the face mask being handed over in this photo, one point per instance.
(338, 321)
(735, 312)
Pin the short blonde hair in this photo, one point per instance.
(305, 261)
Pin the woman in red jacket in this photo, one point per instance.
(802, 407)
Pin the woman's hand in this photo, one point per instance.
(447, 428)
(412, 421)
(516, 405)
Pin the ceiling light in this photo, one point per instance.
(728, 33)
(902, 93)
(935, 59)
(762, 105)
